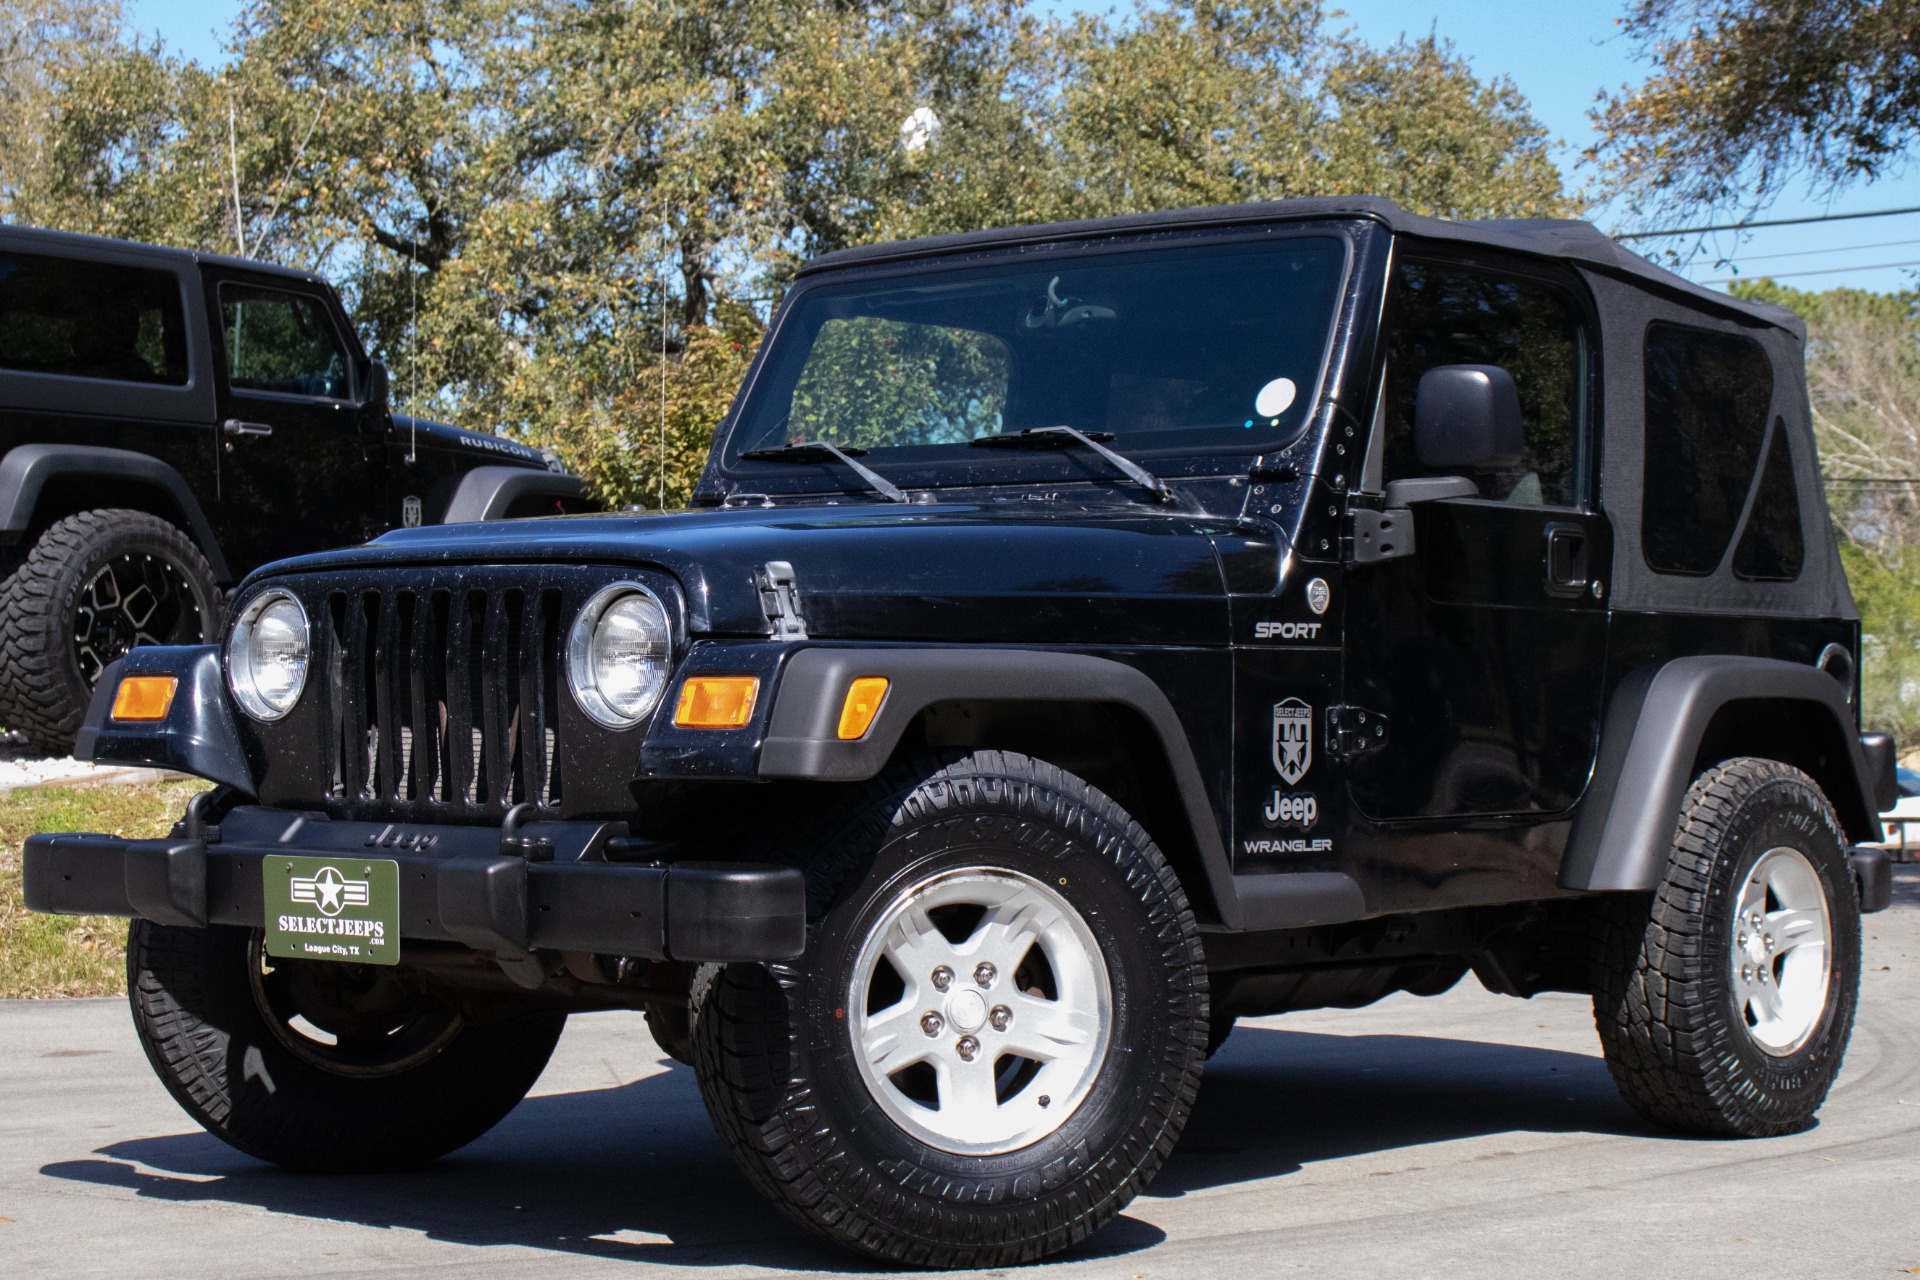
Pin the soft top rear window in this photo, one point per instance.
(91, 320)
(1708, 393)
(1206, 347)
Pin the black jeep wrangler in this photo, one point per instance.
(171, 420)
(1087, 635)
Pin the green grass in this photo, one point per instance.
(44, 956)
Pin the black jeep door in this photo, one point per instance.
(1483, 650)
(299, 471)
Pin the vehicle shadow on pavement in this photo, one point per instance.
(1277, 1100)
(633, 1171)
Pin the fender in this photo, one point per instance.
(487, 493)
(25, 471)
(197, 737)
(803, 741)
(1654, 727)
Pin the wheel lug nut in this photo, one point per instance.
(942, 978)
(1746, 974)
(984, 974)
(932, 1023)
(968, 1047)
(1743, 940)
(1000, 1017)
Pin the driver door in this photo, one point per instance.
(299, 468)
(1484, 650)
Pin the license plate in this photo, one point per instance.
(344, 909)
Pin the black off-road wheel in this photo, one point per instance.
(997, 1031)
(321, 1067)
(93, 586)
(1725, 1009)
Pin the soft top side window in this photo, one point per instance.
(282, 342)
(1447, 313)
(1708, 393)
(91, 320)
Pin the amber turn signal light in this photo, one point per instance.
(144, 697)
(864, 697)
(716, 702)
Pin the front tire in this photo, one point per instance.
(94, 586)
(321, 1067)
(996, 1034)
(1726, 1010)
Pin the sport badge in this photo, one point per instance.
(1292, 739)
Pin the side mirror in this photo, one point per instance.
(1466, 417)
(380, 384)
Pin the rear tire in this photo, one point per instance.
(1068, 1021)
(93, 586)
(1725, 1011)
(405, 1080)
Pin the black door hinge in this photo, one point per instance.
(1353, 732)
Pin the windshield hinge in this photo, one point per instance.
(1353, 732)
(780, 601)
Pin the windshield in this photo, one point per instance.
(1199, 348)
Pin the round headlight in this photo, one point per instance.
(267, 655)
(618, 655)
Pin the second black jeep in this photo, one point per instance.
(171, 420)
(1087, 635)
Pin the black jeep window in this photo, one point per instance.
(1707, 399)
(283, 342)
(90, 320)
(1207, 346)
(1447, 314)
(1771, 549)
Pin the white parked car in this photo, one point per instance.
(1902, 822)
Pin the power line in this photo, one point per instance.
(1817, 271)
(1771, 222)
(1808, 253)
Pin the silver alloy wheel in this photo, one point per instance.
(986, 1044)
(1781, 951)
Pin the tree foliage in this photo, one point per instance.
(1747, 93)
(531, 203)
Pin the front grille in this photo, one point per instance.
(439, 703)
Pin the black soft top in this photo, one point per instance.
(1564, 239)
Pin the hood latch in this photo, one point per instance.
(780, 601)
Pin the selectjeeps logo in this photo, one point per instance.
(1292, 739)
(330, 891)
(332, 909)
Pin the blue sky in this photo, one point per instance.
(1561, 54)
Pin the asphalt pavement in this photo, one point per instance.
(1461, 1135)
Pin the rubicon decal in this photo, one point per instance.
(1292, 739)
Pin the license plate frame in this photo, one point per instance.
(342, 910)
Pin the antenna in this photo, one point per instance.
(663, 366)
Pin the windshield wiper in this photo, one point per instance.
(814, 450)
(1066, 438)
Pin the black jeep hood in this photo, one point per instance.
(1001, 572)
(448, 438)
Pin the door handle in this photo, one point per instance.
(235, 427)
(1566, 559)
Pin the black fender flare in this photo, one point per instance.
(802, 741)
(488, 493)
(25, 471)
(1649, 741)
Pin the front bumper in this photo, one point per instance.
(457, 884)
